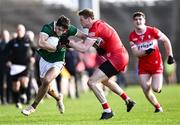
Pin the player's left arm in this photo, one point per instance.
(137, 52)
(167, 45)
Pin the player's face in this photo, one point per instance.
(60, 30)
(84, 22)
(139, 22)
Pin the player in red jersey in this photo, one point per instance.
(113, 58)
(144, 44)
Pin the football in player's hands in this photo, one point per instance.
(149, 51)
(170, 60)
(53, 41)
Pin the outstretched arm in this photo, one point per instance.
(86, 43)
(81, 45)
(140, 53)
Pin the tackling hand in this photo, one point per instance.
(63, 42)
(170, 60)
(59, 46)
(96, 45)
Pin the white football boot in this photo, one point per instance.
(28, 110)
(60, 104)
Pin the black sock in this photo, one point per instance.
(34, 105)
(23, 90)
(16, 97)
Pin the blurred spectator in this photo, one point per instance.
(14, 35)
(19, 55)
(32, 86)
(71, 62)
(90, 61)
(5, 36)
(121, 80)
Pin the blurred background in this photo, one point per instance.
(163, 14)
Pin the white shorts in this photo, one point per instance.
(44, 66)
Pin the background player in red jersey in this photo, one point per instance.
(144, 44)
(113, 58)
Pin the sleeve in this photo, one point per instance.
(131, 42)
(156, 32)
(72, 30)
(130, 37)
(103, 30)
(47, 29)
(100, 30)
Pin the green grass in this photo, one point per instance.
(87, 111)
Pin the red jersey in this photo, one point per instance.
(151, 63)
(115, 51)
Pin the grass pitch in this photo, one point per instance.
(87, 110)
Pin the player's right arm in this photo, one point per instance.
(43, 44)
(137, 52)
(81, 45)
(81, 41)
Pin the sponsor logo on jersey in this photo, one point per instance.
(146, 45)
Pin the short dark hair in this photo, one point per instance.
(138, 14)
(63, 22)
(86, 13)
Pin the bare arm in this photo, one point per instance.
(167, 44)
(81, 45)
(81, 35)
(43, 44)
(136, 51)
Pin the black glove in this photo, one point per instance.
(64, 40)
(170, 60)
(59, 46)
(149, 51)
(97, 43)
(100, 51)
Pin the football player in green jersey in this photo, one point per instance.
(52, 59)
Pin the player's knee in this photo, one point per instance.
(145, 88)
(90, 83)
(46, 81)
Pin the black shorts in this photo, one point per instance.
(108, 69)
(24, 73)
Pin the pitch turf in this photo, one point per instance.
(87, 111)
